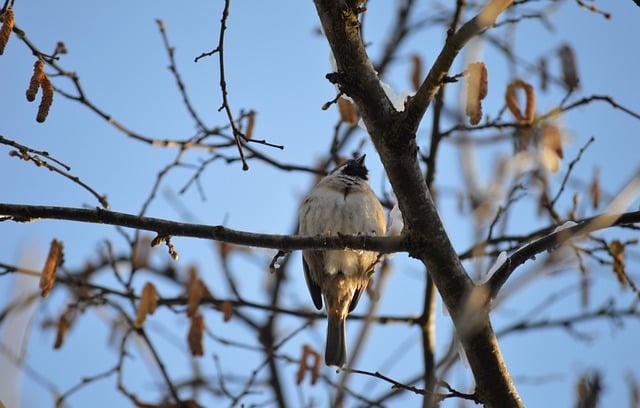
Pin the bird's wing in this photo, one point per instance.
(314, 288)
(356, 297)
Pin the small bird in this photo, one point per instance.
(341, 203)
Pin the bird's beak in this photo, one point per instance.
(360, 159)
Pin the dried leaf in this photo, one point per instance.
(315, 371)
(36, 79)
(302, 368)
(308, 352)
(476, 91)
(148, 303)
(616, 248)
(47, 99)
(150, 297)
(48, 275)
(251, 121)
(7, 26)
(192, 274)
(194, 294)
(348, 112)
(416, 72)
(63, 326)
(513, 105)
(195, 335)
(569, 68)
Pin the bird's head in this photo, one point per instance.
(352, 168)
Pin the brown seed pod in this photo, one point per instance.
(63, 326)
(251, 121)
(7, 26)
(47, 99)
(36, 79)
(48, 275)
(194, 338)
(513, 105)
(476, 91)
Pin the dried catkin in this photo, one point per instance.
(7, 26)
(47, 99)
(476, 91)
(36, 79)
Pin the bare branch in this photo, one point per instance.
(165, 228)
(417, 106)
(42, 158)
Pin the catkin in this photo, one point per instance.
(569, 68)
(7, 26)
(513, 105)
(47, 99)
(476, 91)
(48, 275)
(194, 337)
(36, 79)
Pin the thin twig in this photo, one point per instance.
(41, 158)
(571, 165)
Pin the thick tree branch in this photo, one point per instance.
(393, 135)
(554, 240)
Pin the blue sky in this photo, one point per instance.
(275, 63)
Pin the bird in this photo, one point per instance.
(341, 203)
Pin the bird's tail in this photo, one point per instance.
(336, 350)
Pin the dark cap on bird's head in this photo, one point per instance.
(353, 168)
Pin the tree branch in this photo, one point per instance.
(393, 135)
(554, 240)
(165, 228)
(417, 106)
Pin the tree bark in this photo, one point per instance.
(393, 134)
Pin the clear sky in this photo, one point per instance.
(275, 64)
